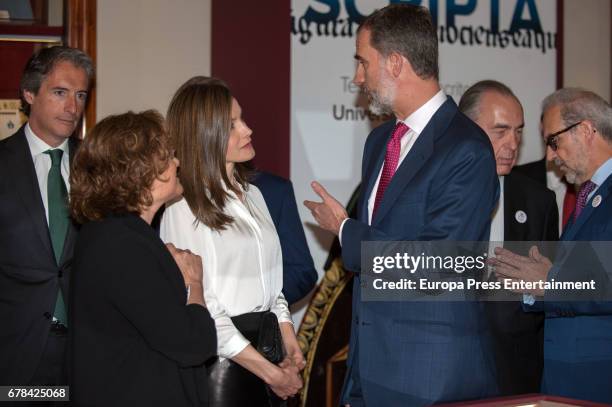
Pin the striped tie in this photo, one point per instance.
(583, 196)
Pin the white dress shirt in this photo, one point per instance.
(416, 123)
(555, 183)
(496, 235)
(42, 163)
(243, 266)
(497, 221)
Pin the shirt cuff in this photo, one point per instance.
(233, 346)
(282, 314)
(289, 320)
(340, 231)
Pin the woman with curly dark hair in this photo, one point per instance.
(140, 330)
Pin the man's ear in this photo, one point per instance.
(29, 96)
(589, 131)
(395, 63)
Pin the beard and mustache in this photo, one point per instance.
(571, 176)
(381, 99)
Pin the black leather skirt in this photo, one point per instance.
(231, 385)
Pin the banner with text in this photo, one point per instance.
(513, 41)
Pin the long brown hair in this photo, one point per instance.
(199, 121)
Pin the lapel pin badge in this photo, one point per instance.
(520, 216)
(596, 201)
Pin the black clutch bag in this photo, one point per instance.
(270, 341)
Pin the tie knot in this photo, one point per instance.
(400, 129)
(586, 189)
(56, 156)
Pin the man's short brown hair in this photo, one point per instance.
(408, 30)
(42, 63)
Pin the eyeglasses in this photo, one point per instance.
(552, 140)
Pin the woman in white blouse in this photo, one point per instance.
(224, 219)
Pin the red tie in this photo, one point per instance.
(569, 203)
(391, 159)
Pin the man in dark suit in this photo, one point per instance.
(428, 174)
(526, 211)
(299, 274)
(36, 235)
(577, 340)
(535, 170)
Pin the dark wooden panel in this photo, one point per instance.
(17, 53)
(40, 11)
(251, 51)
(81, 20)
(559, 43)
(79, 32)
(30, 29)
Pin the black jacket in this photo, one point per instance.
(535, 170)
(29, 274)
(518, 335)
(135, 342)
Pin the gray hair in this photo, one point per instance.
(580, 104)
(43, 62)
(469, 104)
(409, 31)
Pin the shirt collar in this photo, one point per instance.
(38, 146)
(602, 173)
(553, 180)
(420, 117)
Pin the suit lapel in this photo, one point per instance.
(73, 144)
(510, 232)
(513, 202)
(416, 158)
(541, 171)
(566, 229)
(19, 162)
(572, 229)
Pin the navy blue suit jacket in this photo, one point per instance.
(419, 353)
(578, 334)
(299, 274)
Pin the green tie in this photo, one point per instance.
(57, 198)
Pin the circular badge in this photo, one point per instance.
(520, 216)
(596, 201)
